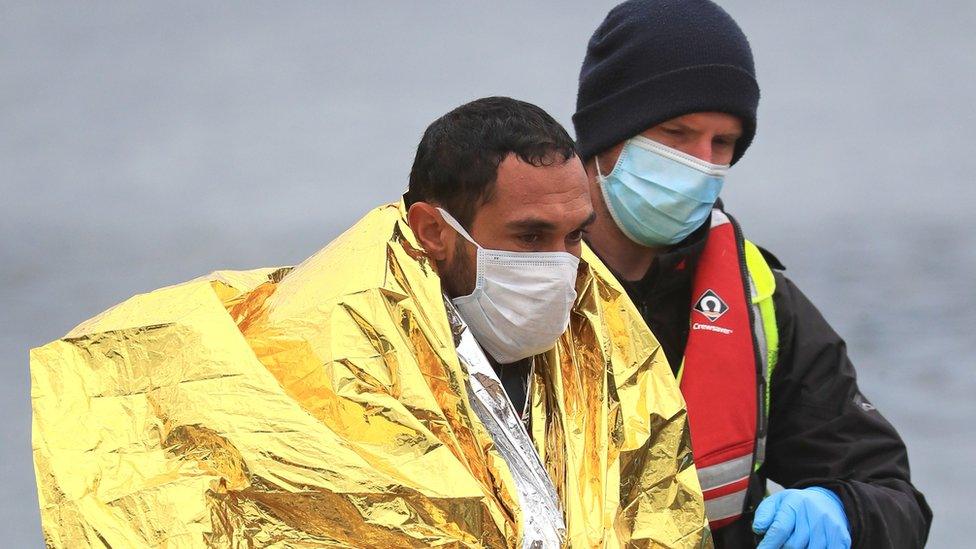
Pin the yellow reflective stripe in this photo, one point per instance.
(761, 276)
(765, 285)
(760, 273)
(768, 312)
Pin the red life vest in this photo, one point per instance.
(723, 375)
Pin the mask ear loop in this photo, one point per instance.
(449, 219)
(454, 224)
(602, 184)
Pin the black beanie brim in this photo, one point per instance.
(622, 115)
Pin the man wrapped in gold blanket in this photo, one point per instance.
(455, 370)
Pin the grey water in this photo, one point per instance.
(143, 144)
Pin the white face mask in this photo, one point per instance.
(521, 300)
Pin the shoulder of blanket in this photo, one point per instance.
(223, 289)
(166, 336)
(379, 254)
(219, 289)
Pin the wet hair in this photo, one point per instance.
(457, 159)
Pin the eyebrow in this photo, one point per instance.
(541, 225)
(588, 221)
(732, 134)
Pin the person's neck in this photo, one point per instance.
(625, 257)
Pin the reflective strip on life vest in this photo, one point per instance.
(725, 473)
(730, 475)
(726, 506)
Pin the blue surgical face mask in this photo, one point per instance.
(658, 195)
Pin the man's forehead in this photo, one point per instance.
(553, 176)
(537, 194)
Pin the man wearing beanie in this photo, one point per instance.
(667, 103)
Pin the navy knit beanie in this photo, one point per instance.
(653, 60)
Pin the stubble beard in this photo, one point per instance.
(458, 276)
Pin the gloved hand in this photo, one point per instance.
(813, 517)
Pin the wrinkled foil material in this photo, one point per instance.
(329, 405)
(538, 502)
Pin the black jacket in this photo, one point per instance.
(822, 431)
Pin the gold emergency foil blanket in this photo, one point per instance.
(325, 406)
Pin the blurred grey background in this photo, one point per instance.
(146, 144)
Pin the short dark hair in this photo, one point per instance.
(457, 159)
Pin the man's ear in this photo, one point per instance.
(431, 230)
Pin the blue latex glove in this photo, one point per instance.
(813, 517)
